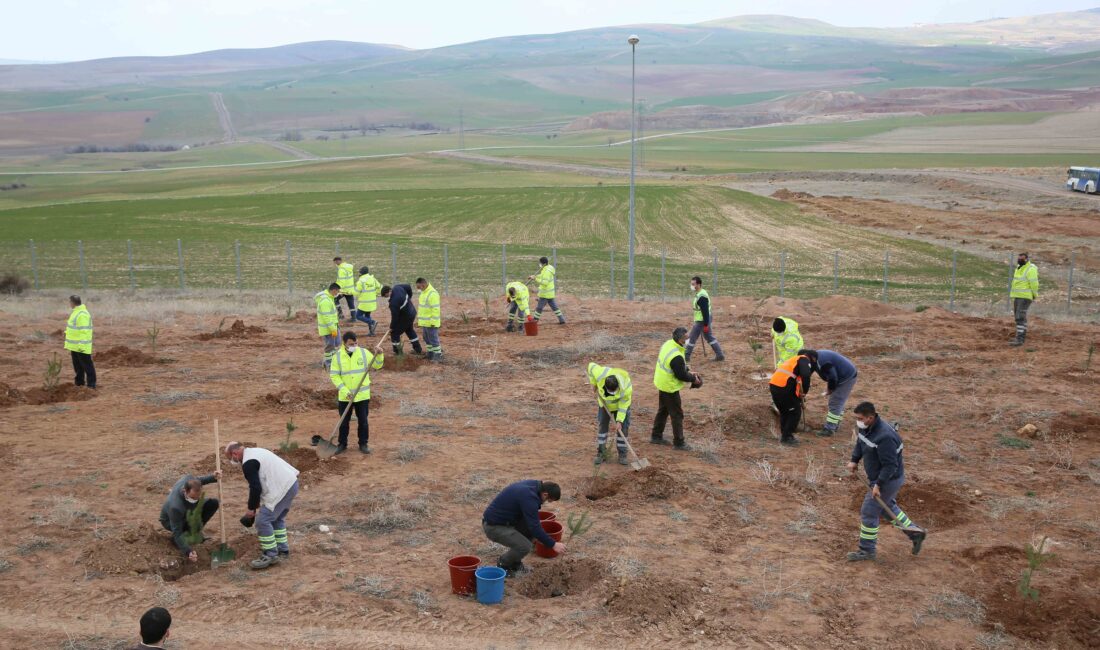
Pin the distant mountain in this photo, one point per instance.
(24, 62)
(147, 69)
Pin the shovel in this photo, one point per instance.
(223, 553)
(327, 448)
(894, 520)
(638, 463)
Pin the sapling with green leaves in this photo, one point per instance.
(193, 536)
(53, 373)
(1036, 557)
(1088, 359)
(578, 525)
(757, 356)
(287, 445)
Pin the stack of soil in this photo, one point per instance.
(121, 356)
(238, 330)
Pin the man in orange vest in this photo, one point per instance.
(789, 383)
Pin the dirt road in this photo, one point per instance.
(224, 118)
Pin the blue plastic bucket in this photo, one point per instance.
(490, 585)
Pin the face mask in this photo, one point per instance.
(235, 462)
(693, 288)
(352, 348)
(190, 500)
(861, 425)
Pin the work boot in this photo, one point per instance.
(371, 327)
(517, 571)
(340, 449)
(284, 554)
(1019, 340)
(681, 446)
(561, 321)
(511, 327)
(861, 556)
(264, 561)
(657, 440)
(790, 441)
(825, 433)
(364, 449)
(917, 537)
(600, 450)
(622, 457)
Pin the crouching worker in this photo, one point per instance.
(879, 446)
(186, 511)
(512, 520)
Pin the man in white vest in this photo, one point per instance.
(272, 486)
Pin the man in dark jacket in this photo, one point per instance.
(184, 497)
(840, 375)
(402, 316)
(879, 446)
(789, 384)
(512, 519)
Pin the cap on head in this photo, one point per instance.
(779, 325)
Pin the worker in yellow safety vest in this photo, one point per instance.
(350, 366)
(429, 318)
(328, 323)
(518, 305)
(1025, 290)
(670, 376)
(78, 341)
(345, 277)
(366, 298)
(786, 340)
(703, 314)
(548, 290)
(613, 391)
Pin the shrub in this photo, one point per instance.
(13, 283)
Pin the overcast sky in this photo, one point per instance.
(69, 30)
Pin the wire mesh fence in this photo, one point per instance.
(478, 268)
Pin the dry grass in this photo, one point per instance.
(765, 472)
(67, 512)
(373, 586)
(600, 344)
(32, 545)
(478, 488)
(410, 408)
(952, 605)
(171, 398)
(807, 521)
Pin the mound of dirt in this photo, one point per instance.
(10, 396)
(931, 504)
(561, 578)
(121, 356)
(63, 393)
(854, 307)
(298, 400)
(303, 316)
(238, 330)
(311, 469)
(783, 194)
(651, 483)
(1085, 426)
(650, 600)
(402, 362)
(148, 550)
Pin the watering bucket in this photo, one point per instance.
(531, 327)
(462, 569)
(554, 530)
(546, 515)
(490, 585)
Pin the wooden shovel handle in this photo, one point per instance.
(218, 467)
(351, 400)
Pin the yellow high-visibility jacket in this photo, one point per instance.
(328, 322)
(618, 402)
(430, 313)
(664, 379)
(523, 294)
(345, 277)
(1025, 282)
(366, 293)
(78, 330)
(788, 343)
(347, 369)
(548, 285)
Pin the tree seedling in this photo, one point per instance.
(151, 334)
(287, 445)
(757, 356)
(1088, 359)
(465, 317)
(221, 324)
(193, 536)
(289, 312)
(1036, 557)
(578, 525)
(53, 373)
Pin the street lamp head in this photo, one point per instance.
(632, 39)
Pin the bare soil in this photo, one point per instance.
(697, 550)
(122, 356)
(10, 396)
(238, 330)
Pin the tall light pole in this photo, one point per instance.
(633, 40)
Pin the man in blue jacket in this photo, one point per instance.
(839, 373)
(879, 446)
(402, 316)
(512, 519)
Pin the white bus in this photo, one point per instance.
(1083, 179)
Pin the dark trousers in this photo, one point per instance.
(348, 298)
(362, 410)
(669, 405)
(1019, 313)
(84, 368)
(790, 408)
(404, 326)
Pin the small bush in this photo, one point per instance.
(13, 283)
(374, 586)
(1012, 442)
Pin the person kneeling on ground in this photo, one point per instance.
(178, 513)
(154, 628)
(512, 519)
(879, 446)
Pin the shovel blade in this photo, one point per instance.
(640, 464)
(222, 555)
(325, 449)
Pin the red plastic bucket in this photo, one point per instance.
(531, 327)
(546, 515)
(554, 530)
(462, 569)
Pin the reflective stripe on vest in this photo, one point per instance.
(785, 372)
(864, 440)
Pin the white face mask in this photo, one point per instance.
(861, 425)
(235, 462)
(693, 288)
(351, 348)
(190, 500)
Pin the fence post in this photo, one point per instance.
(179, 253)
(1069, 286)
(83, 269)
(445, 270)
(714, 273)
(836, 272)
(237, 256)
(612, 273)
(34, 265)
(885, 276)
(954, 275)
(1011, 275)
(504, 266)
(663, 253)
(393, 262)
(130, 260)
(289, 271)
(782, 273)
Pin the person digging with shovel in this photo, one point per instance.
(613, 390)
(272, 486)
(179, 515)
(879, 446)
(350, 372)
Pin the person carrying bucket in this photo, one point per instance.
(512, 520)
